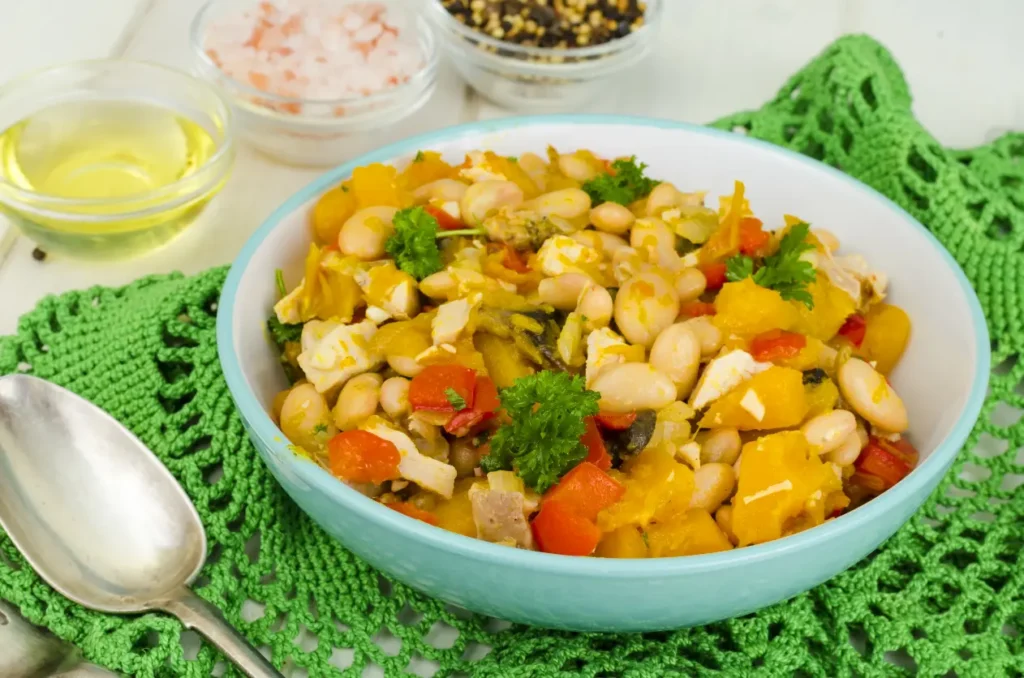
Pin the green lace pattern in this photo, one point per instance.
(942, 597)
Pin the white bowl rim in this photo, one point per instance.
(609, 568)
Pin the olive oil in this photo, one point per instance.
(102, 149)
(106, 177)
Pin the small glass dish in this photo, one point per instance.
(48, 116)
(317, 132)
(540, 79)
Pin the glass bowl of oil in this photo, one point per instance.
(110, 159)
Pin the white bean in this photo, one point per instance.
(626, 263)
(394, 396)
(535, 166)
(484, 198)
(720, 445)
(605, 243)
(440, 285)
(690, 284)
(708, 333)
(633, 386)
(676, 353)
(826, 432)
(862, 433)
(827, 239)
(357, 401)
(596, 307)
(871, 397)
(663, 197)
(445, 190)
(645, 305)
(305, 418)
(567, 203)
(712, 484)
(563, 291)
(576, 167)
(656, 239)
(611, 217)
(847, 451)
(364, 233)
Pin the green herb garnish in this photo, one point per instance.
(739, 267)
(413, 245)
(457, 401)
(543, 441)
(513, 158)
(785, 272)
(627, 185)
(282, 291)
(320, 428)
(282, 333)
(419, 157)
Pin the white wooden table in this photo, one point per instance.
(962, 60)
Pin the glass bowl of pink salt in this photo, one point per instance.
(310, 80)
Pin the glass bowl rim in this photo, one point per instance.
(422, 79)
(20, 199)
(652, 19)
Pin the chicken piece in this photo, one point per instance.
(389, 291)
(333, 353)
(499, 517)
(606, 348)
(723, 374)
(561, 254)
(452, 319)
(416, 467)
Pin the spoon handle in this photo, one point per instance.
(204, 618)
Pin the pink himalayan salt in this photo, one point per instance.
(314, 49)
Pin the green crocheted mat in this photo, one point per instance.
(942, 597)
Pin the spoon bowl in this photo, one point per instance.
(89, 506)
(99, 517)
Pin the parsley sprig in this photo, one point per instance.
(785, 272)
(413, 245)
(542, 442)
(627, 185)
(457, 401)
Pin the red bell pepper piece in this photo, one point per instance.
(875, 460)
(854, 329)
(559, 529)
(413, 511)
(753, 238)
(485, 407)
(616, 422)
(513, 260)
(597, 454)
(445, 221)
(429, 389)
(715, 275)
(586, 490)
(362, 457)
(694, 309)
(776, 345)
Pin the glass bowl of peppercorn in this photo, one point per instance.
(544, 55)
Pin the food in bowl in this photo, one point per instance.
(567, 355)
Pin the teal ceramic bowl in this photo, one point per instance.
(942, 379)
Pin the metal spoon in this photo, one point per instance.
(99, 517)
(27, 651)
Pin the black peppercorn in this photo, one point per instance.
(559, 24)
(38, 254)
